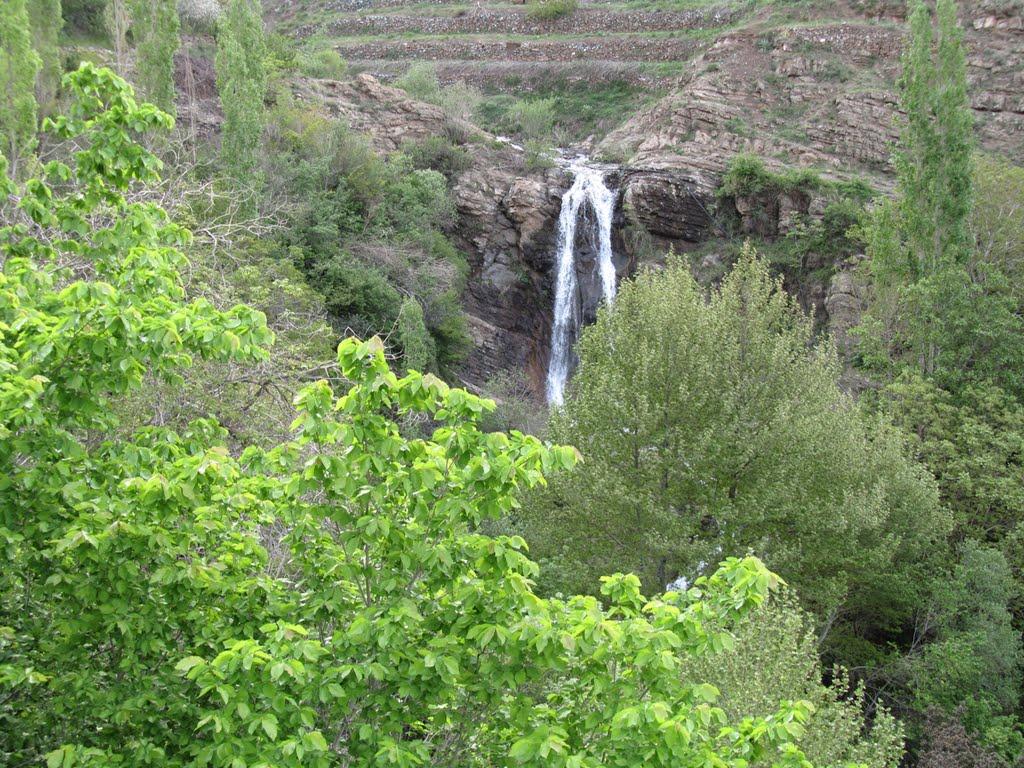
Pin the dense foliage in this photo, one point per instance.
(944, 335)
(324, 602)
(713, 427)
(368, 232)
(203, 568)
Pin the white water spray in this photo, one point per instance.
(588, 187)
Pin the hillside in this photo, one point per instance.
(669, 94)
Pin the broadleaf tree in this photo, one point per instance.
(715, 426)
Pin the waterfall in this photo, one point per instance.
(588, 187)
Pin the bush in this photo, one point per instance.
(326, 64)
(747, 175)
(420, 81)
(282, 55)
(360, 299)
(547, 10)
(535, 118)
(438, 153)
(458, 100)
(413, 201)
(538, 155)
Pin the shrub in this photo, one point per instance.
(438, 153)
(747, 175)
(420, 81)
(548, 10)
(458, 100)
(282, 55)
(535, 118)
(538, 155)
(326, 64)
(360, 299)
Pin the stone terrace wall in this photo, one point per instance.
(517, 22)
(611, 48)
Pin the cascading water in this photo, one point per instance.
(588, 187)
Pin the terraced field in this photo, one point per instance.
(604, 61)
(776, 60)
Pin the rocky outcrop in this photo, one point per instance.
(507, 227)
(672, 205)
(385, 114)
(845, 302)
(820, 95)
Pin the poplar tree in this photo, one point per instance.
(920, 247)
(117, 19)
(19, 64)
(46, 21)
(242, 83)
(934, 161)
(156, 26)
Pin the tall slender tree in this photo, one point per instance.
(19, 64)
(45, 18)
(155, 24)
(920, 248)
(242, 84)
(117, 18)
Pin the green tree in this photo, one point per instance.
(90, 303)
(713, 427)
(328, 601)
(934, 308)
(47, 21)
(155, 25)
(19, 65)
(973, 443)
(774, 656)
(972, 666)
(934, 160)
(117, 18)
(242, 84)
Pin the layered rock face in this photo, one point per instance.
(818, 95)
(509, 227)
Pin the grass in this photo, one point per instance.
(548, 10)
